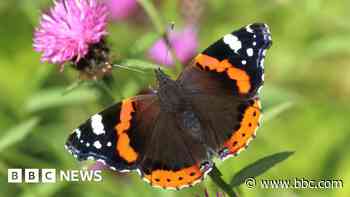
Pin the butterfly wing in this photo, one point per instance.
(111, 136)
(235, 62)
(233, 122)
(136, 135)
(174, 158)
(223, 83)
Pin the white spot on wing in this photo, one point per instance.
(96, 124)
(250, 52)
(146, 180)
(249, 29)
(112, 168)
(233, 42)
(101, 161)
(97, 144)
(244, 62)
(78, 133)
(139, 172)
(109, 144)
(264, 53)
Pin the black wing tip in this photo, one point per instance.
(81, 153)
(74, 151)
(264, 29)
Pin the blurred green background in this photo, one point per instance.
(306, 96)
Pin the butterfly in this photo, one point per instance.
(171, 135)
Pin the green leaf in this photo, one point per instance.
(216, 176)
(59, 97)
(276, 110)
(17, 133)
(259, 167)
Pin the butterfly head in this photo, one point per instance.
(161, 77)
(169, 92)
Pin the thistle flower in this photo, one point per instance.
(184, 43)
(121, 9)
(73, 31)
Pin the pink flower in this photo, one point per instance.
(69, 28)
(121, 9)
(184, 43)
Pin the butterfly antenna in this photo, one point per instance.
(128, 68)
(170, 29)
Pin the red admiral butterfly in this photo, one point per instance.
(170, 136)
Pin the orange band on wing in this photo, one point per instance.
(240, 76)
(211, 63)
(168, 179)
(123, 148)
(125, 116)
(244, 134)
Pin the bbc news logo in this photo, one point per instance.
(31, 175)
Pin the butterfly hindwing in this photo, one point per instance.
(240, 136)
(175, 157)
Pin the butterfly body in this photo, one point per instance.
(170, 93)
(171, 135)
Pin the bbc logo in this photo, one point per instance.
(31, 175)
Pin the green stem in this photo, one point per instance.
(106, 96)
(153, 15)
(159, 26)
(216, 176)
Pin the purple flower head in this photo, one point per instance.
(68, 30)
(184, 43)
(121, 9)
